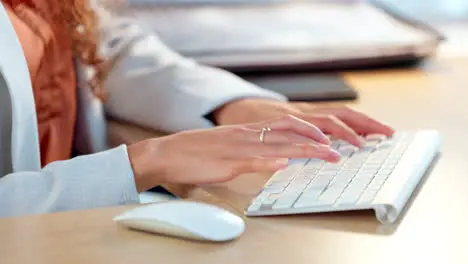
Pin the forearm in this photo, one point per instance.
(151, 85)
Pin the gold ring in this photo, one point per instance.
(262, 134)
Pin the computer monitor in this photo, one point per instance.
(293, 35)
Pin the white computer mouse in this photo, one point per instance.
(184, 219)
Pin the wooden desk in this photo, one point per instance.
(434, 229)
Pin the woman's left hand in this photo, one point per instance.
(340, 122)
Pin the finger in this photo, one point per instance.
(360, 122)
(335, 127)
(299, 126)
(229, 168)
(258, 164)
(319, 151)
(276, 136)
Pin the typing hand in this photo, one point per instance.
(340, 122)
(222, 153)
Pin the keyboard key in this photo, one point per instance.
(284, 203)
(328, 173)
(349, 198)
(274, 189)
(384, 172)
(270, 199)
(369, 170)
(335, 145)
(388, 166)
(289, 172)
(367, 198)
(346, 151)
(374, 162)
(304, 175)
(306, 201)
(321, 184)
(309, 171)
(315, 163)
(292, 192)
(290, 195)
(331, 166)
(324, 202)
(375, 137)
(330, 195)
(254, 207)
(313, 191)
(385, 145)
(352, 165)
(363, 179)
(375, 185)
(295, 188)
(368, 146)
(259, 199)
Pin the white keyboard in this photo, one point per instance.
(381, 175)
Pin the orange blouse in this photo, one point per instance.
(42, 32)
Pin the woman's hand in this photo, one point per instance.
(340, 122)
(222, 153)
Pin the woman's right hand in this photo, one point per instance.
(222, 153)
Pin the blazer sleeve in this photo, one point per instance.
(151, 85)
(102, 179)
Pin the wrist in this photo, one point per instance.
(147, 167)
(237, 111)
(250, 110)
(221, 114)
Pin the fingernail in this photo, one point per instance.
(324, 148)
(361, 141)
(335, 154)
(388, 130)
(334, 157)
(326, 140)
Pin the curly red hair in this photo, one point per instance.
(82, 22)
